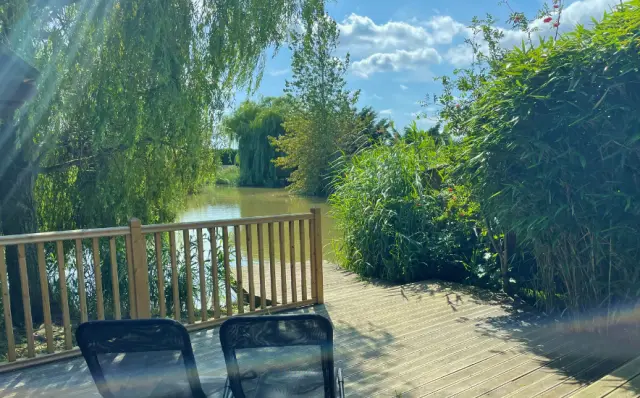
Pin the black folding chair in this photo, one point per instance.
(145, 358)
(280, 356)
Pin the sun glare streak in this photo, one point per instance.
(50, 81)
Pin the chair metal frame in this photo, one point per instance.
(90, 351)
(326, 346)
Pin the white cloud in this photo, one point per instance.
(386, 112)
(359, 34)
(396, 61)
(403, 87)
(444, 29)
(279, 72)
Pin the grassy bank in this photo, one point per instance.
(228, 175)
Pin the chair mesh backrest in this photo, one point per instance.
(289, 355)
(140, 358)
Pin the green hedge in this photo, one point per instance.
(553, 153)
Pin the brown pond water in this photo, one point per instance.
(223, 202)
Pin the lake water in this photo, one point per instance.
(223, 202)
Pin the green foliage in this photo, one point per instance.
(228, 175)
(552, 153)
(227, 156)
(254, 125)
(396, 225)
(127, 97)
(322, 114)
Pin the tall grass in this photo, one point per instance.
(394, 224)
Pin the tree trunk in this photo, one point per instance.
(18, 216)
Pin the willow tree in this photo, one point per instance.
(128, 94)
(253, 125)
(322, 113)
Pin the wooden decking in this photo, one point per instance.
(415, 340)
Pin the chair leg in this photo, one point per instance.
(340, 384)
(227, 390)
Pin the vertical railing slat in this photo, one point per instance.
(98, 277)
(81, 285)
(174, 276)
(203, 279)
(131, 286)
(115, 281)
(303, 261)
(312, 260)
(263, 289)
(215, 293)
(239, 285)
(187, 264)
(64, 299)
(6, 307)
(160, 271)
(227, 270)
(283, 262)
(44, 291)
(317, 236)
(292, 255)
(26, 301)
(272, 266)
(252, 296)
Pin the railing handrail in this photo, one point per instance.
(152, 228)
(54, 236)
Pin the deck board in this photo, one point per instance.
(415, 340)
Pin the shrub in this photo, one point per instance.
(395, 226)
(553, 153)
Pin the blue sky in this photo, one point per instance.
(398, 47)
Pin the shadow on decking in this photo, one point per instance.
(581, 354)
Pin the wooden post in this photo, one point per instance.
(317, 232)
(98, 276)
(201, 275)
(239, 285)
(227, 270)
(215, 291)
(81, 285)
(140, 269)
(44, 290)
(160, 271)
(66, 319)
(292, 257)
(8, 320)
(174, 276)
(187, 265)
(115, 282)
(131, 286)
(26, 302)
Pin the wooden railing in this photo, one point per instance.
(199, 273)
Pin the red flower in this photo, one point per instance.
(556, 6)
(555, 25)
(450, 189)
(547, 19)
(516, 19)
(458, 106)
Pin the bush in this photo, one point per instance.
(553, 153)
(395, 226)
